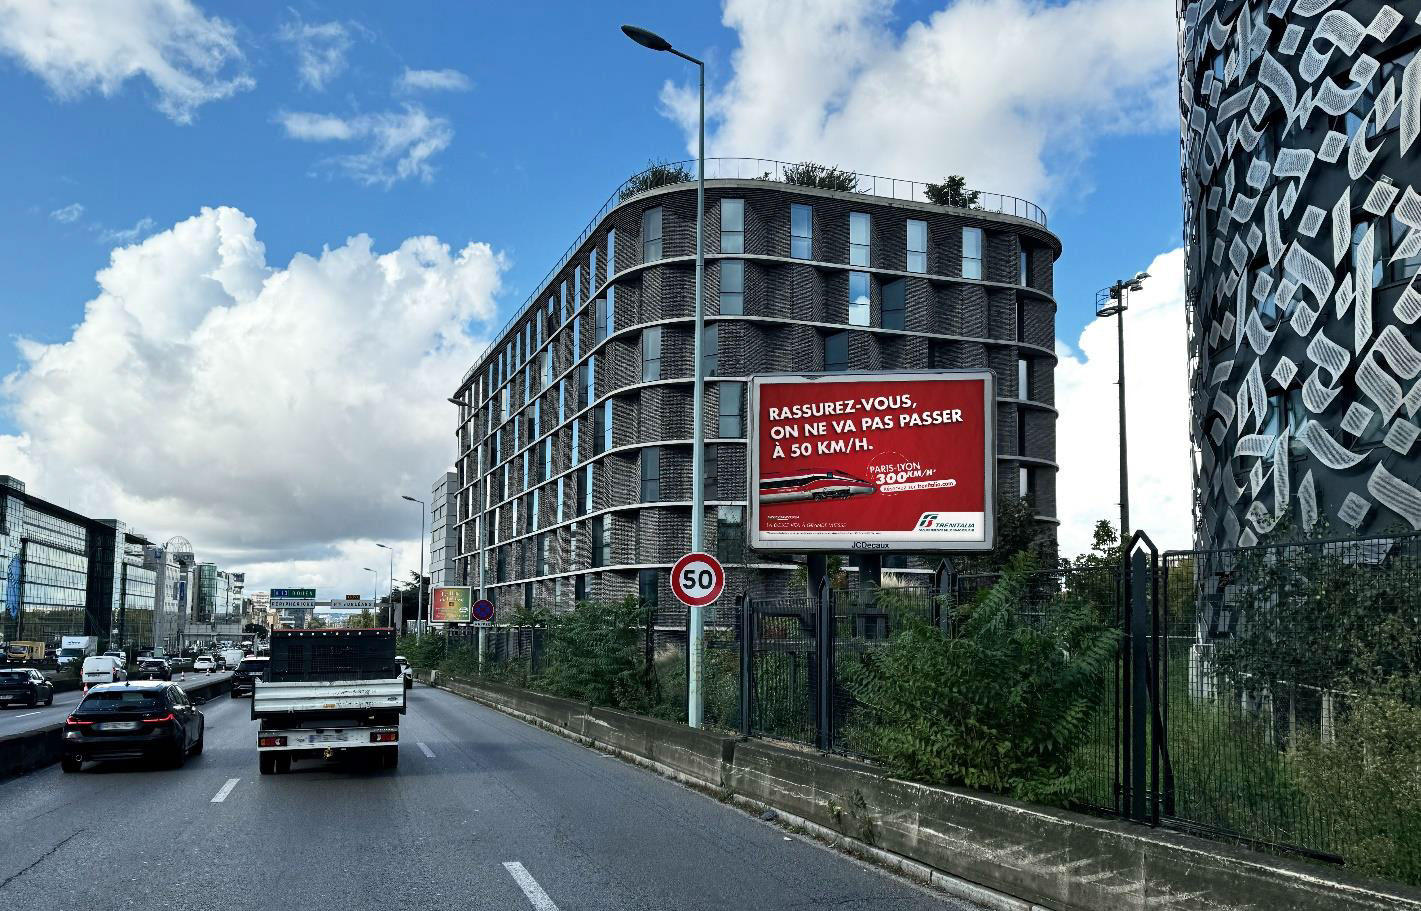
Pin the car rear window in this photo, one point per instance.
(14, 677)
(121, 701)
(252, 665)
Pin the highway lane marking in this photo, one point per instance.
(26, 714)
(536, 896)
(226, 789)
(427, 751)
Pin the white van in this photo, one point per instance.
(102, 669)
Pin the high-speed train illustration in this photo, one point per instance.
(819, 485)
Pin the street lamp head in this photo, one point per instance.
(387, 547)
(410, 498)
(646, 39)
(367, 569)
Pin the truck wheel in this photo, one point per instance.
(267, 763)
(391, 759)
(71, 763)
(283, 763)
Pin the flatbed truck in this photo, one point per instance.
(329, 692)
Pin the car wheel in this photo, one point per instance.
(232, 693)
(71, 763)
(50, 699)
(197, 747)
(34, 699)
(267, 763)
(177, 757)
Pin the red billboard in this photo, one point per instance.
(872, 461)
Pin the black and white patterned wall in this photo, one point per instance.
(1302, 191)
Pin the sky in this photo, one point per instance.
(249, 248)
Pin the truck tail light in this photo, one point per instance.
(265, 740)
(384, 736)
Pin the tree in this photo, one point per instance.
(363, 620)
(316, 622)
(953, 192)
(825, 177)
(657, 174)
(1018, 531)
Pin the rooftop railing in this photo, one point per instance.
(766, 169)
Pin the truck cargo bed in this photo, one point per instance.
(276, 698)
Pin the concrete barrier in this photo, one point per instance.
(998, 852)
(30, 750)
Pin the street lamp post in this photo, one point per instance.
(1114, 301)
(698, 458)
(375, 581)
(390, 607)
(419, 601)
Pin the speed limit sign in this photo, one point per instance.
(697, 579)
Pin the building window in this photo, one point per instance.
(579, 492)
(587, 490)
(547, 368)
(710, 350)
(534, 520)
(971, 252)
(732, 226)
(611, 253)
(548, 457)
(651, 353)
(836, 352)
(1021, 431)
(730, 534)
(858, 299)
(575, 458)
(562, 297)
(646, 589)
(579, 588)
(651, 235)
(917, 245)
(611, 310)
(577, 286)
(859, 239)
(732, 410)
(895, 304)
(651, 474)
(709, 487)
(1024, 268)
(591, 271)
(1023, 378)
(599, 540)
(599, 327)
(732, 287)
(576, 339)
(560, 499)
(607, 425)
(562, 401)
(801, 231)
(1026, 481)
(599, 430)
(589, 382)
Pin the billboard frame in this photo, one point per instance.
(468, 591)
(879, 542)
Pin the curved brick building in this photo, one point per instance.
(575, 431)
(1303, 229)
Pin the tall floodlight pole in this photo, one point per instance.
(1114, 301)
(698, 457)
(390, 607)
(419, 601)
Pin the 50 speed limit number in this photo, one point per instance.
(697, 579)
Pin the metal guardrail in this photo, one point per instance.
(767, 169)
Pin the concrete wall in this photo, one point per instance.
(20, 753)
(1021, 856)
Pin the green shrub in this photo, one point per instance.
(996, 704)
(657, 174)
(596, 653)
(810, 174)
(953, 192)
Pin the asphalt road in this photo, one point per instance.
(484, 812)
(16, 719)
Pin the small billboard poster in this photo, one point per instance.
(872, 461)
(452, 604)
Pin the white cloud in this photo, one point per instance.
(1157, 417)
(68, 214)
(1009, 93)
(271, 414)
(140, 228)
(77, 46)
(320, 50)
(401, 144)
(432, 81)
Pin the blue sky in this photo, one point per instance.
(557, 109)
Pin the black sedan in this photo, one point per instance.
(25, 686)
(152, 669)
(133, 721)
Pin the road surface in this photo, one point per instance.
(484, 812)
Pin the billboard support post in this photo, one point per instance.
(824, 658)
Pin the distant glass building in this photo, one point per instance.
(1301, 172)
(443, 530)
(574, 427)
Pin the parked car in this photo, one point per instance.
(204, 663)
(152, 669)
(248, 672)
(406, 670)
(24, 686)
(133, 721)
(102, 669)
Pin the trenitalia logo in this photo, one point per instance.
(936, 521)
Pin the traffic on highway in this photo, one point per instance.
(391, 796)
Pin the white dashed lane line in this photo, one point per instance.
(225, 790)
(427, 751)
(536, 896)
